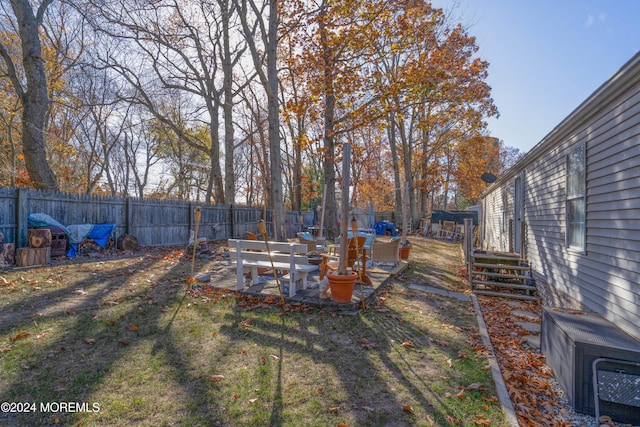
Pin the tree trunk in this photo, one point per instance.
(227, 108)
(277, 197)
(407, 154)
(391, 130)
(331, 218)
(215, 186)
(35, 99)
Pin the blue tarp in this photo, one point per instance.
(99, 233)
(385, 228)
(39, 220)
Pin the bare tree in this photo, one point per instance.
(266, 68)
(170, 47)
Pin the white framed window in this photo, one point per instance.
(576, 199)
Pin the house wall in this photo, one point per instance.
(497, 211)
(605, 277)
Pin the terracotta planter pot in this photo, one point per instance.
(342, 286)
(404, 252)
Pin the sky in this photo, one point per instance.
(546, 56)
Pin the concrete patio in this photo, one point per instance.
(223, 276)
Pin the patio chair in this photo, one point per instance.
(369, 237)
(312, 244)
(355, 246)
(385, 251)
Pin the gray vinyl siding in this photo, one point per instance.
(612, 265)
(605, 276)
(496, 231)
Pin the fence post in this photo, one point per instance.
(192, 220)
(22, 212)
(232, 222)
(468, 246)
(128, 211)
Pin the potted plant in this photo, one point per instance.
(343, 281)
(405, 248)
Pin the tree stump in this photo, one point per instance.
(26, 257)
(7, 253)
(39, 238)
(127, 242)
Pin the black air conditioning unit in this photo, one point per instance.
(571, 341)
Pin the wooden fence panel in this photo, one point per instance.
(245, 218)
(8, 223)
(159, 222)
(152, 222)
(215, 222)
(70, 209)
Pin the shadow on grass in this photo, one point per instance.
(154, 378)
(98, 319)
(364, 392)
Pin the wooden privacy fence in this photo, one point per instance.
(152, 222)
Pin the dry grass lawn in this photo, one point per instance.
(121, 342)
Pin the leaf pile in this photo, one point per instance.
(524, 369)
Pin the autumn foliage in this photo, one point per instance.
(399, 80)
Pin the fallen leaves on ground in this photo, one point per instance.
(19, 336)
(524, 370)
(366, 344)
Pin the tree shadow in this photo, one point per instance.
(73, 366)
(334, 345)
(67, 368)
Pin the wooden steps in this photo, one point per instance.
(503, 275)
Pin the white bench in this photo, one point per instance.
(285, 256)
